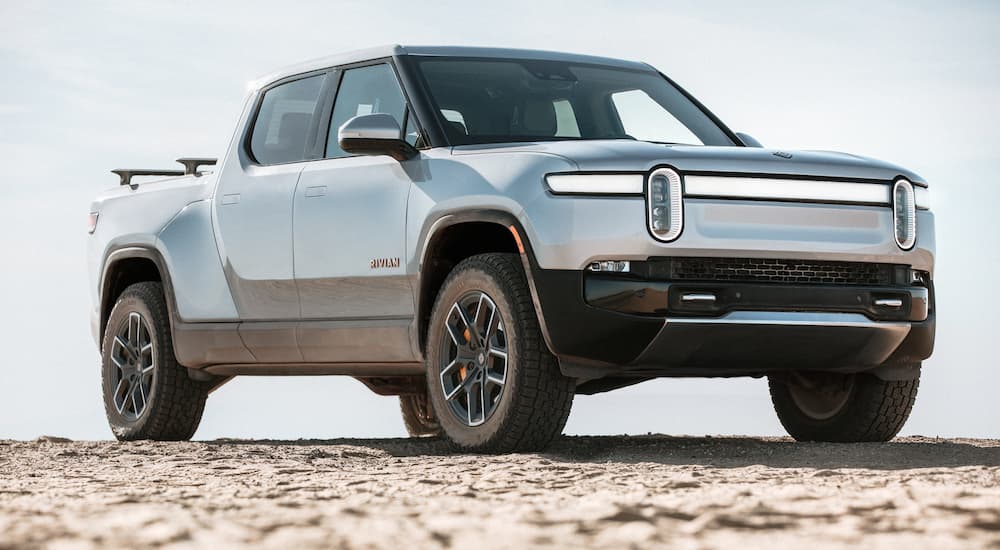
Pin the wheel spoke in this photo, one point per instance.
(491, 325)
(133, 328)
(470, 325)
(479, 309)
(447, 370)
(483, 406)
(121, 344)
(458, 338)
(449, 395)
(118, 365)
(464, 385)
(469, 397)
(138, 390)
(494, 379)
(446, 374)
(485, 325)
(119, 397)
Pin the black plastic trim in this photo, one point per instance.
(580, 332)
(664, 298)
(718, 121)
(592, 342)
(832, 202)
(416, 89)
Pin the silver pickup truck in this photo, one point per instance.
(487, 232)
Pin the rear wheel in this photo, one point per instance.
(842, 407)
(418, 416)
(147, 394)
(493, 383)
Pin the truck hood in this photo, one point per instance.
(631, 156)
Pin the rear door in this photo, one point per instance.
(350, 235)
(253, 211)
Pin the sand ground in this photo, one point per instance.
(614, 492)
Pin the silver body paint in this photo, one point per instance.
(274, 264)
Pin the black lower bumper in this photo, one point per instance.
(614, 326)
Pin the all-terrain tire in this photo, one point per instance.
(536, 399)
(871, 410)
(173, 406)
(418, 416)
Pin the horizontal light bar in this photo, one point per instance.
(787, 189)
(595, 184)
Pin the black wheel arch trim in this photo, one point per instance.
(132, 252)
(433, 229)
(144, 252)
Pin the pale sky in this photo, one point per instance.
(92, 86)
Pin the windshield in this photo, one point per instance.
(503, 100)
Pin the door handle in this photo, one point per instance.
(230, 199)
(316, 191)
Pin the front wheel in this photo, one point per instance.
(147, 394)
(842, 407)
(493, 384)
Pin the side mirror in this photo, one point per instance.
(376, 134)
(748, 140)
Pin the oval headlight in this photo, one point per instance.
(665, 204)
(904, 214)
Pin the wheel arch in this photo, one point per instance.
(129, 265)
(442, 249)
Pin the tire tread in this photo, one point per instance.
(875, 413)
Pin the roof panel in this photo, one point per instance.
(377, 52)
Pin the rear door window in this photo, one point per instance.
(287, 115)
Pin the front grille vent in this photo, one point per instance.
(779, 271)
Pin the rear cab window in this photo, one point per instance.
(285, 121)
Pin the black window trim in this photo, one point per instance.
(252, 122)
(342, 70)
(328, 95)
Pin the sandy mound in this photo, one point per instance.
(586, 491)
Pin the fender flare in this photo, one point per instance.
(434, 229)
(129, 252)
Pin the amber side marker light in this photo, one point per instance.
(517, 239)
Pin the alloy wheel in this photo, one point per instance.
(473, 370)
(132, 364)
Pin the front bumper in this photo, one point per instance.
(612, 326)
